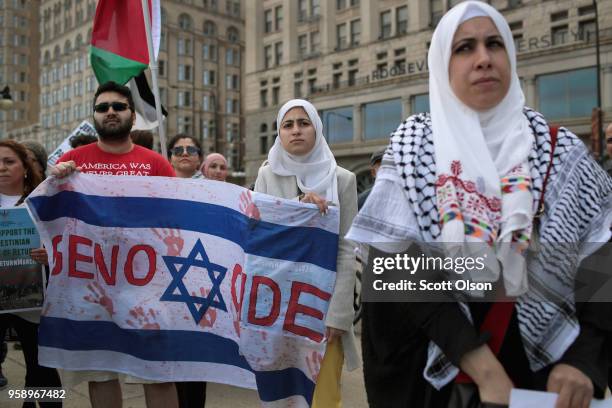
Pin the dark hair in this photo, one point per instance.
(82, 139)
(34, 178)
(122, 90)
(142, 138)
(39, 152)
(176, 138)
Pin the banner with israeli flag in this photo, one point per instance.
(171, 279)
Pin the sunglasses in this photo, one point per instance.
(191, 150)
(105, 106)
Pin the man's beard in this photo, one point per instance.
(113, 134)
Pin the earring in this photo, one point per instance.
(25, 176)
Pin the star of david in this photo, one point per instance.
(179, 266)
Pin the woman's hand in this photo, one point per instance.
(332, 334)
(39, 255)
(64, 169)
(493, 383)
(315, 199)
(574, 388)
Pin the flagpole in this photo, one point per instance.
(153, 66)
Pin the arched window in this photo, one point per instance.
(78, 42)
(47, 58)
(57, 52)
(67, 47)
(233, 35)
(184, 22)
(210, 28)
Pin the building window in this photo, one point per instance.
(210, 29)
(315, 42)
(315, 8)
(184, 124)
(297, 89)
(268, 21)
(208, 103)
(208, 77)
(278, 14)
(184, 98)
(233, 35)
(302, 45)
(184, 72)
(184, 46)
(355, 32)
(184, 22)
(341, 36)
(275, 95)
(381, 118)
(420, 103)
(352, 77)
(340, 4)
(437, 11)
(232, 82)
(161, 68)
(559, 34)
(263, 144)
(385, 24)
(568, 94)
(338, 124)
(401, 16)
(263, 98)
(267, 56)
(278, 53)
(302, 10)
(586, 30)
(558, 16)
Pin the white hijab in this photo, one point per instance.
(315, 171)
(488, 144)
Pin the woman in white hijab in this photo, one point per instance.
(475, 171)
(300, 165)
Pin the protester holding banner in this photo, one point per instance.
(185, 155)
(115, 154)
(479, 168)
(300, 165)
(18, 178)
(215, 167)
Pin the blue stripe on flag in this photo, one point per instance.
(295, 244)
(169, 345)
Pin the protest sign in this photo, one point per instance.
(21, 278)
(85, 128)
(186, 280)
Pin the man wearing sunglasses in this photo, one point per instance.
(115, 154)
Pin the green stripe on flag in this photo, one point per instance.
(112, 67)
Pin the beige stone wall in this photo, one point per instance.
(19, 65)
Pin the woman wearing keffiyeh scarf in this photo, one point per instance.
(472, 172)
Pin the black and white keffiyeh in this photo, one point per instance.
(578, 210)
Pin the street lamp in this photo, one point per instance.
(6, 101)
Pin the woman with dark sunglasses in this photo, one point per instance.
(185, 155)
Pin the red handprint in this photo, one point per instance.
(98, 295)
(146, 321)
(173, 240)
(314, 362)
(209, 318)
(247, 206)
(237, 299)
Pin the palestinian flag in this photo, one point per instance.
(144, 103)
(119, 48)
